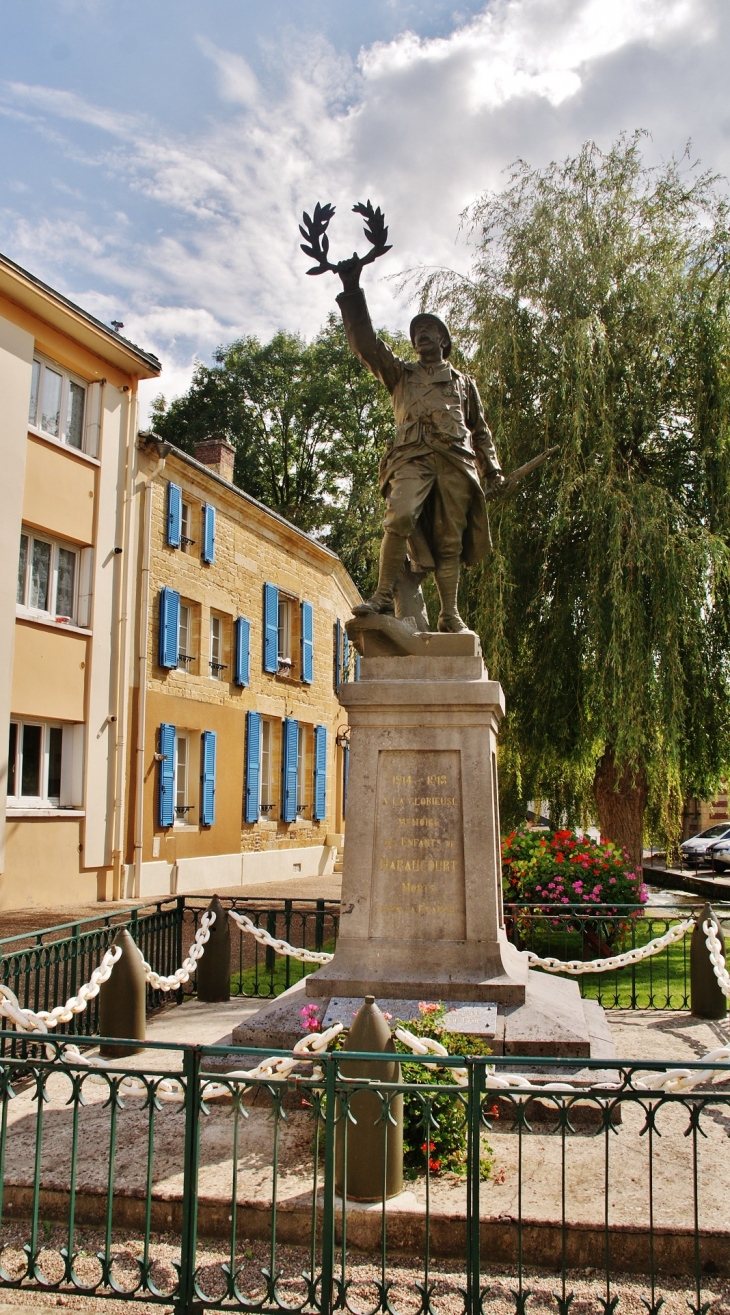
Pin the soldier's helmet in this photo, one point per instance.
(433, 319)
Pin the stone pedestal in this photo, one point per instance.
(421, 908)
(421, 916)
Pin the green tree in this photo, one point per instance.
(596, 317)
(309, 425)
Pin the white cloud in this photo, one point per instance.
(420, 126)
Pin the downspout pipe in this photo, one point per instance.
(148, 442)
(121, 700)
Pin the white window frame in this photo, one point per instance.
(56, 545)
(183, 797)
(186, 524)
(217, 646)
(284, 634)
(67, 378)
(266, 774)
(43, 799)
(302, 777)
(186, 646)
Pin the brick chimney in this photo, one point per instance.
(217, 453)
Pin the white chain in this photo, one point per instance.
(189, 965)
(28, 1020)
(579, 966)
(281, 947)
(714, 945)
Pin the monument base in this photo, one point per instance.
(439, 970)
(553, 1021)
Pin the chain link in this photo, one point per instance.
(280, 947)
(579, 966)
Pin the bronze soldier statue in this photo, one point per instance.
(432, 475)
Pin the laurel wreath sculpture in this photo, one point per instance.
(317, 245)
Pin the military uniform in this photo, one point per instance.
(429, 476)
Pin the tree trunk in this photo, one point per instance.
(620, 795)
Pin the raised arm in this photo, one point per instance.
(361, 336)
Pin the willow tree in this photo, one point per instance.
(596, 317)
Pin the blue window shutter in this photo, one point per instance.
(174, 515)
(307, 643)
(243, 651)
(345, 657)
(271, 628)
(289, 770)
(253, 767)
(169, 627)
(345, 778)
(338, 651)
(166, 796)
(357, 666)
(319, 811)
(207, 779)
(208, 551)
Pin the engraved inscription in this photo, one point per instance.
(418, 862)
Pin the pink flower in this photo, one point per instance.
(427, 1008)
(612, 881)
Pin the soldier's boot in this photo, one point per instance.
(447, 581)
(392, 556)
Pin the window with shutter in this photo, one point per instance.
(290, 749)
(242, 667)
(319, 811)
(337, 653)
(271, 628)
(166, 795)
(174, 515)
(252, 800)
(208, 550)
(307, 628)
(207, 779)
(169, 627)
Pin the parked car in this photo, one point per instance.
(697, 849)
(720, 855)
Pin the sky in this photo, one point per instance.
(157, 155)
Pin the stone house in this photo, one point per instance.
(238, 754)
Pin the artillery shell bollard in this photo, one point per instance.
(374, 1168)
(707, 999)
(213, 976)
(123, 1000)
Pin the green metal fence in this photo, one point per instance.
(46, 967)
(602, 1196)
(577, 932)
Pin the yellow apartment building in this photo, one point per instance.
(68, 451)
(238, 745)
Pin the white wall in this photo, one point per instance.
(218, 871)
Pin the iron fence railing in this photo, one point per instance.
(577, 932)
(45, 968)
(257, 970)
(605, 1196)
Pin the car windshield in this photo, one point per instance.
(722, 829)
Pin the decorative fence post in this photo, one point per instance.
(707, 999)
(214, 969)
(368, 1166)
(123, 999)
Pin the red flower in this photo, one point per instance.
(560, 858)
(434, 1166)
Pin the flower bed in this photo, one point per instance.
(561, 867)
